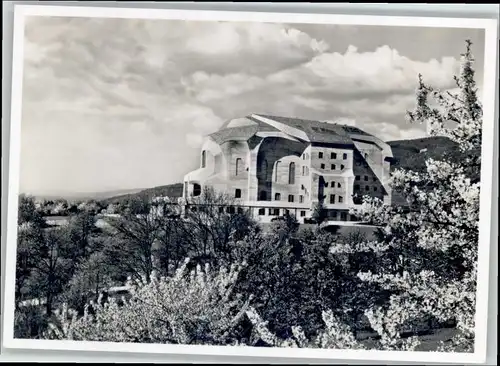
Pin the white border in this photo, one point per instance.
(489, 25)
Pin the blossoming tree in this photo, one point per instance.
(432, 243)
(427, 251)
(194, 307)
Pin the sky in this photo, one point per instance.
(125, 103)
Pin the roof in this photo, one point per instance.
(316, 131)
(313, 131)
(240, 129)
(234, 133)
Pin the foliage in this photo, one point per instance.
(296, 277)
(28, 212)
(298, 288)
(192, 309)
(431, 247)
(30, 322)
(212, 221)
(319, 214)
(336, 335)
(135, 233)
(92, 276)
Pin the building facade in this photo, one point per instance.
(272, 165)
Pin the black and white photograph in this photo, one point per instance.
(285, 185)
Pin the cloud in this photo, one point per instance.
(125, 103)
(381, 71)
(250, 45)
(358, 86)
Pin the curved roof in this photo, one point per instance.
(240, 129)
(303, 129)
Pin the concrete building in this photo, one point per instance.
(272, 165)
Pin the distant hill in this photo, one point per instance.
(82, 196)
(170, 190)
(412, 154)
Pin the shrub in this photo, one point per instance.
(197, 308)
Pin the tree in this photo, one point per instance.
(31, 225)
(431, 246)
(334, 335)
(51, 270)
(134, 234)
(171, 249)
(92, 276)
(28, 212)
(212, 221)
(319, 213)
(294, 277)
(189, 308)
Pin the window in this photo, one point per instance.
(322, 166)
(277, 196)
(203, 159)
(333, 156)
(333, 167)
(356, 187)
(237, 193)
(302, 213)
(276, 166)
(366, 156)
(262, 211)
(334, 214)
(239, 164)
(358, 177)
(375, 189)
(303, 156)
(240, 210)
(339, 185)
(343, 216)
(274, 212)
(374, 179)
(221, 209)
(291, 173)
(320, 155)
(366, 178)
(263, 196)
(290, 198)
(367, 188)
(341, 199)
(332, 198)
(326, 184)
(301, 199)
(333, 184)
(196, 189)
(344, 156)
(303, 170)
(342, 166)
(230, 210)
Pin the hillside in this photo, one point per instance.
(170, 190)
(81, 196)
(412, 154)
